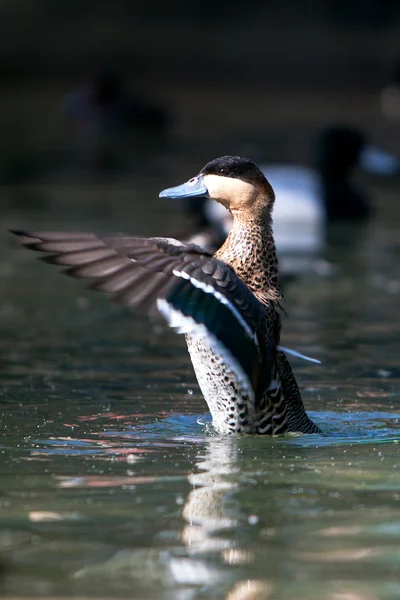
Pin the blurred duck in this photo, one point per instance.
(104, 115)
(306, 199)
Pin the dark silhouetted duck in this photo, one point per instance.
(390, 95)
(226, 304)
(106, 119)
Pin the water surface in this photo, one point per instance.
(113, 481)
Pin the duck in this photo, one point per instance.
(308, 200)
(104, 113)
(228, 304)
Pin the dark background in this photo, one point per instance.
(256, 78)
(289, 45)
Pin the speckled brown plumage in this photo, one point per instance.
(250, 250)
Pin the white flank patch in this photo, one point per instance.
(176, 319)
(298, 354)
(208, 289)
(188, 326)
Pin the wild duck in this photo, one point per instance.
(307, 199)
(226, 304)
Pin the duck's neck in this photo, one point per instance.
(250, 250)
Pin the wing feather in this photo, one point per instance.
(140, 271)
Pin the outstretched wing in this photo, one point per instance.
(188, 286)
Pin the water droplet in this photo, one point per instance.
(253, 520)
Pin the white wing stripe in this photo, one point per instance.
(208, 289)
(188, 326)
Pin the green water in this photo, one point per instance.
(113, 483)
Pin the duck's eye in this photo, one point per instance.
(223, 171)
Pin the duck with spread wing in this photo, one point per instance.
(227, 305)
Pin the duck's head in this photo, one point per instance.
(233, 181)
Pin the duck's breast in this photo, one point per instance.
(225, 387)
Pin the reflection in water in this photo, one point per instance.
(211, 511)
(207, 509)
